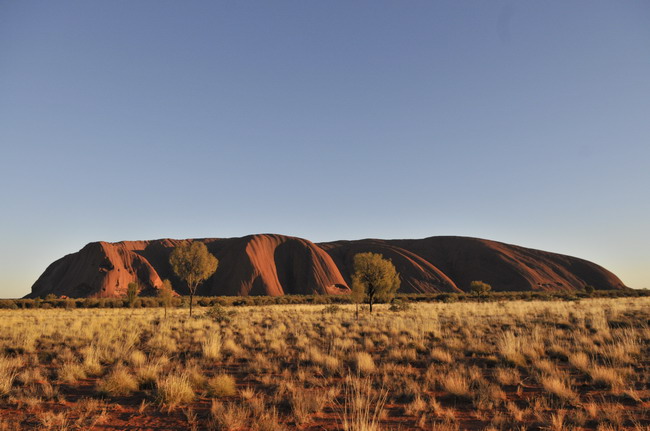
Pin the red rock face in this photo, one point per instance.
(99, 269)
(277, 265)
(417, 275)
(253, 265)
(454, 262)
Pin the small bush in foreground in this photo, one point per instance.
(398, 306)
(558, 387)
(219, 314)
(7, 376)
(118, 383)
(222, 385)
(331, 309)
(363, 406)
(212, 346)
(364, 363)
(175, 389)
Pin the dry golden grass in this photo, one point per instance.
(7, 375)
(175, 389)
(212, 346)
(363, 405)
(364, 363)
(456, 382)
(71, 371)
(511, 365)
(222, 385)
(119, 382)
(559, 387)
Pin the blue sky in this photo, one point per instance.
(524, 122)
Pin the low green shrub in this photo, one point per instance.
(332, 309)
(399, 305)
(219, 314)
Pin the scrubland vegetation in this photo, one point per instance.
(548, 365)
(52, 301)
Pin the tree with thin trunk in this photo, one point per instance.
(358, 295)
(165, 293)
(193, 263)
(479, 288)
(132, 291)
(374, 278)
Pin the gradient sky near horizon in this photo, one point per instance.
(524, 122)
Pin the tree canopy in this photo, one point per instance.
(479, 288)
(166, 293)
(193, 263)
(132, 293)
(374, 278)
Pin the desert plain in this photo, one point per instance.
(524, 365)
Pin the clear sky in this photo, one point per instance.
(525, 122)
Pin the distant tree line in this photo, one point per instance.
(209, 301)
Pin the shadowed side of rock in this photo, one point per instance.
(100, 269)
(253, 265)
(454, 262)
(268, 264)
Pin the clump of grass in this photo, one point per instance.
(222, 385)
(211, 347)
(456, 383)
(70, 372)
(260, 363)
(228, 417)
(544, 366)
(364, 363)
(195, 375)
(581, 361)
(90, 412)
(148, 374)
(91, 360)
(518, 415)
(556, 421)
(416, 406)
(305, 403)
(441, 355)
(510, 346)
(51, 420)
(507, 376)
(163, 342)
(118, 382)
(231, 347)
(137, 358)
(559, 387)
(363, 407)
(7, 376)
(175, 389)
(605, 376)
(268, 420)
(488, 396)
(331, 364)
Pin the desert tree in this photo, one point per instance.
(358, 295)
(132, 293)
(193, 263)
(479, 288)
(165, 294)
(374, 278)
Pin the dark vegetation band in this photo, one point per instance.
(205, 301)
